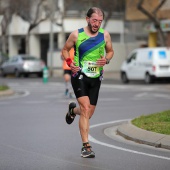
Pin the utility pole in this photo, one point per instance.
(51, 37)
(51, 45)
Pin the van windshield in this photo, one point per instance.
(132, 57)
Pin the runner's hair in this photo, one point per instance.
(95, 10)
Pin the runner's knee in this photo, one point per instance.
(85, 110)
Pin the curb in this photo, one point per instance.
(131, 132)
(8, 92)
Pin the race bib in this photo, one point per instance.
(90, 69)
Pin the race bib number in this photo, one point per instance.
(90, 69)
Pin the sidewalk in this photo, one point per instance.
(131, 132)
(6, 93)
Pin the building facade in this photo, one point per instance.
(47, 39)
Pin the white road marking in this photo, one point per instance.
(162, 96)
(141, 94)
(120, 148)
(108, 99)
(35, 102)
(129, 87)
(145, 95)
(114, 86)
(55, 96)
(25, 93)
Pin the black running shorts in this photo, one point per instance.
(67, 72)
(86, 86)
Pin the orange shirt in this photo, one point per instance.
(65, 66)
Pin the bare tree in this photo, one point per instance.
(34, 12)
(152, 15)
(6, 10)
(110, 7)
(29, 10)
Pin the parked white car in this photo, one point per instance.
(146, 64)
(22, 65)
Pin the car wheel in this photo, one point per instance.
(148, 78)
(3, 73)
(40, 74)
(17, 73)
(25, 75)
(124, 77)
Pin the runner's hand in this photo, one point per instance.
(101, 61)
(74, 68)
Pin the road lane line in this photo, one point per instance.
(92, 139)
(141, 94)
(162, 96)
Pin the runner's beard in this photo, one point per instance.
(91, 28)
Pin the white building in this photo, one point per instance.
(73, 19)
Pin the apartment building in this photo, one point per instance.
(47, 39)
(162, 16)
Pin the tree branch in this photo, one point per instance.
(38, 10)
(158, 7)
(143, 10)
(36, 23)
(107, 18)
(153, 17)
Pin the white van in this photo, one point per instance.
(146, 64)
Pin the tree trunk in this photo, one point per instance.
(168, 39)
(27, 43)
(152, 16)
(161, 36)
(4, 44)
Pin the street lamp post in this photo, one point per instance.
(51, 46)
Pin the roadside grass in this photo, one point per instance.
(3, 87)
(157, 122)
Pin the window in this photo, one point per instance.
(131, 58)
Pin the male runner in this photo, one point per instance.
(93, 49)
(67, 75)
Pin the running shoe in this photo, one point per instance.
(66, 92)
(70, 115)
(86, 152)
(71, 95)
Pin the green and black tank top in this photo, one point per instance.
(88, 50)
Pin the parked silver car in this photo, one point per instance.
(22, 65)
(3, 58)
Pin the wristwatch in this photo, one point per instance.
(107, 61)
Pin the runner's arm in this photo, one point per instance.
(109, 51)
(109, 48)
(67, 47)
(69, 44)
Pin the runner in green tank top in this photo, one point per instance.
(88, 51)
(93, 49)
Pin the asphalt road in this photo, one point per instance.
(34, 135)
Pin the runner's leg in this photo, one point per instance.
(92, 109)
(67, 83)
(76, 110)
(84, 104)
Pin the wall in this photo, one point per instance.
(35, 45)
(20, 27)
(121, 53)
